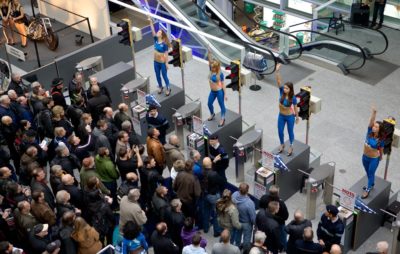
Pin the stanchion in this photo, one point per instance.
(386, 166)
(307, 130)
(395, 231)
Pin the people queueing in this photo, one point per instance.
(330, 228)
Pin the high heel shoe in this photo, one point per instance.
(221, 123)
(281, 149)
(160, 90)
(366, 193)
(290, 151)
(211, 117)
(168, 92)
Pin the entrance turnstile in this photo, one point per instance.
(183, 119)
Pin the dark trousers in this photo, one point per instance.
(189, 209)
(378, 9)
(112, 187)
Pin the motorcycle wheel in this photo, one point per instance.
(51, 40)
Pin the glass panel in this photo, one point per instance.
(301, 5)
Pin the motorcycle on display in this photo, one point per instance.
(40, 29)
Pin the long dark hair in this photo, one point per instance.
(290, 94)
(131, 230)
(381, 131)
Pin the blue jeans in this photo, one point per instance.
(220, 97)
(161, 68)
(234, 234)
(209, 211)
(247, 232)
(370, 166)
(289, 120)
(378, 9)
(201, 10)
(283, 236)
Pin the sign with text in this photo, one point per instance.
(259, 190)
(268, 160)
(141, 97)
(348, 199)
(15, 52)
(198, 125)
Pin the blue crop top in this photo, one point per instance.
(160, 47)
(285, 101)
(371, 141)
(213, 77)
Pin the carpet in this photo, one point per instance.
(373, 71)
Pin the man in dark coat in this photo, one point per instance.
(39, 183)
(68, 161)
(69, 185)
(218, 155)
(156, 120)
(295, 229)
(103, 90)
(266, 222)
(97, 103)
(16, 84)
(39, 238)
(330, 228)
(57, 92)
(306, 245)
(162, 244)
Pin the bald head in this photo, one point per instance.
(67, 179)
(161, 228)
(207, 163)
(382, 247)
(173, 140)
(335, 249)
(6, 120)
(131, 176)
(225, 236)
(298, 215)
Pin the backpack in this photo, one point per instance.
(99, 220)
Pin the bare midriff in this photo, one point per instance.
(370, 152)
(287, 111)
(159, 57)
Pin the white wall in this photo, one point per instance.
(95, 10)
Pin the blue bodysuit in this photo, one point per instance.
(371, 164)
(283, 119)
(160, 68)
(219, 95)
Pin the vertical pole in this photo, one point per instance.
(387, 165)
(133, 59)
(33, 8)
(307, 130)
(37, 53)
(90, 30)
(183, 79)
(240, 100)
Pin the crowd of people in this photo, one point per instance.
(76, 178)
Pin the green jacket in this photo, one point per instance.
(106, 169)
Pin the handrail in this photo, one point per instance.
(340, 40)
(243, 43)
(354, 25)
(271, 29)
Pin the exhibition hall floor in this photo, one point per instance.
(338, 131)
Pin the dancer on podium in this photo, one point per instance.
(373, 151)
(288, 112)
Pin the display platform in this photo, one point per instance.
(231, 128)
(365, 223)
(290, 181)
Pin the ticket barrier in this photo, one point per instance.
(197, 142)
(324, 174)
(249, 145)
(347, 217)
(182, 119)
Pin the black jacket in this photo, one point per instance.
(45, 123)
(75, 193)
(68, 245)
(283, 213)
(17, 87)
(68, 163)
(308, 247)
(221, 165)
(58, 97)
(38, 244)
(63, 208)
(266, 222)
(67, 125)
(213, 183)
(48, 194)
(161, 123)
(96, 105)
(295, 230)
(103, 91)
(175, 223)
(161, 207)
(162, 244)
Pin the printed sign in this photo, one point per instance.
(141, 97)
(259, 190)
(198, 125)
(347, 199)
(15, 52)
(268, 160)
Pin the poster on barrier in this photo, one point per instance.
(259, 190)
(347, 199)
(268, 160)
(141, 97)
(198, 125)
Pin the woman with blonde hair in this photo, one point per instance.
(18, 16)
(228, 215)
(7, 21)
(59, 120)
(86, 236)
(161, 46)
(218, 90)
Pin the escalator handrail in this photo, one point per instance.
(355, 25)
(271, 29)
(364, 57)
(243, 43)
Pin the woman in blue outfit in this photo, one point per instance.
(217, 86)
(133, 240)
(288, 112)
(161, 46)
(373, 151)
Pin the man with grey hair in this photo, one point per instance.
(382, 247)
(6, 110)
(16, 84)
(122, 115)
(130, 210)
(103, 90)
(225, 246)
(307, 245)
(133, 139)
(172, 152)
(258, 245)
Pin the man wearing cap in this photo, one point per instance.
(39, 238)
(218, 156)
(57, 92)
(156, 120)
(330, 228)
